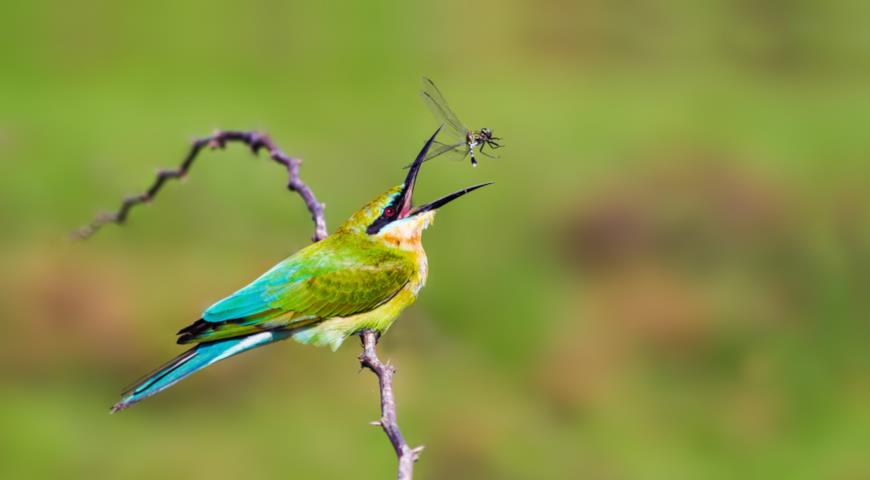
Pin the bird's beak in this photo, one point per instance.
(446, 199)
(407, 209)
(411, 178)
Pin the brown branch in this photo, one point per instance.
(368, 358)
(255, 141)
(384, 371)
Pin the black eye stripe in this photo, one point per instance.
(389, 214)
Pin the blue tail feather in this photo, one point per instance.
(193, 360)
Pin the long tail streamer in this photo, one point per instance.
(192, 360)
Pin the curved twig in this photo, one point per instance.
(368, 358)
(384, 371)
(255, 141)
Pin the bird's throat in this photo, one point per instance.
(406, 233)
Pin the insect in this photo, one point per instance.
(462, 140)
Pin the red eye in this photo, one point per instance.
(389, 211)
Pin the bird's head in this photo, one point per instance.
(392, 217)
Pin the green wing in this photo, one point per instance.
(326, 279)
(348, 291)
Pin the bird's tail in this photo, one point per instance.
(192, 360)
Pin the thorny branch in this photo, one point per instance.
(368, 358)
(384, 371)
(255, 141)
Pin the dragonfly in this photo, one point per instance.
(462, 140)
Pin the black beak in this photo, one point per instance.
(411, 179)
(406, 209)
(447, 199)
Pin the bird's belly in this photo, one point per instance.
(333, 331)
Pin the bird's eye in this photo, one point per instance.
(389, 211)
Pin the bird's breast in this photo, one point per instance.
(422, 272)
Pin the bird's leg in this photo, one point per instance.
(255, 141)
(384, 371)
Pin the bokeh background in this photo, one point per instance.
(668, 281)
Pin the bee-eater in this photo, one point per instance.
(359, 278)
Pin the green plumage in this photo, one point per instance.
(359, 278)
(346, 274)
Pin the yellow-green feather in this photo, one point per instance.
(324, 289)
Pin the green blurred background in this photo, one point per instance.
(669, 280)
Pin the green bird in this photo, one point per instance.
(359, 278)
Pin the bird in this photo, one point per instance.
(359, 278)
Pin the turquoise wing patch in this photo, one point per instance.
(258, 296)
(317, 283)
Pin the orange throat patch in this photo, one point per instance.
(406, 234)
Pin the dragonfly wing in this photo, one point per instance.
(456, 150)
(459, 149)
(438, 105)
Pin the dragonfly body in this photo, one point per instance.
(359, 278)
(463, 141)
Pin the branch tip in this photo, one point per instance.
(255, 141)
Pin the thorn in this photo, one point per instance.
(257, 141)
(376, 423)
(216, 140)
(415, 453)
